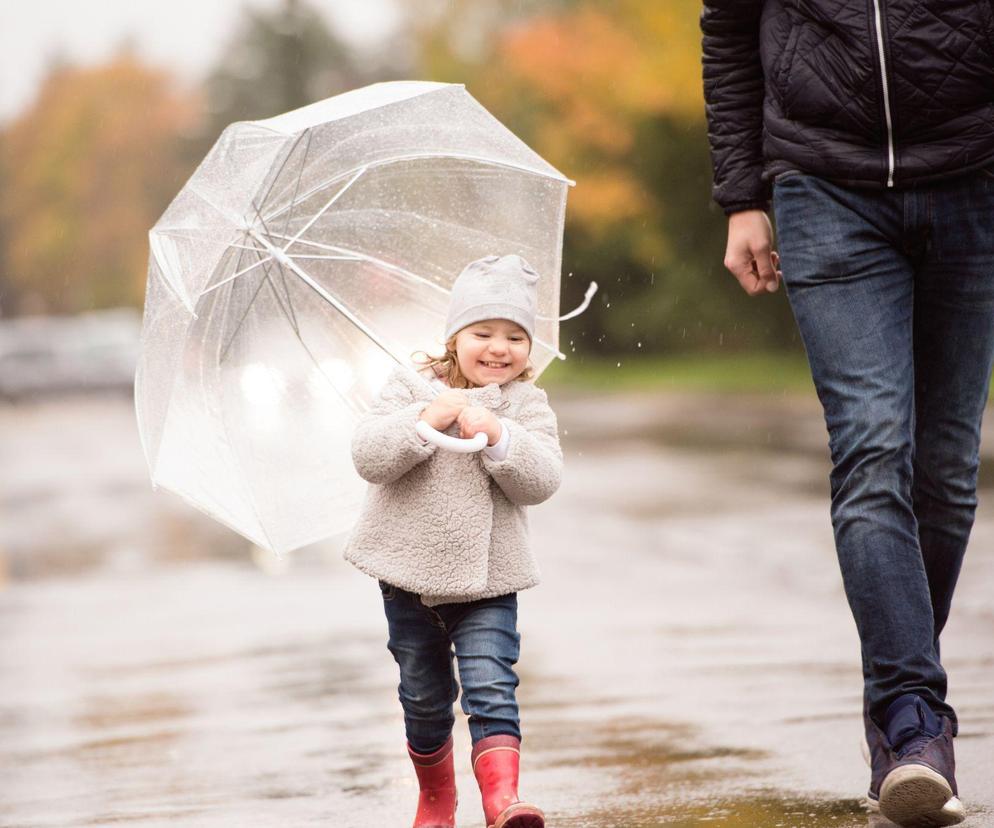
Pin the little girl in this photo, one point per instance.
(446, 534)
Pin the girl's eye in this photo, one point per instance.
(483, 336)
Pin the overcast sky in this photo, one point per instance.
(185, 35)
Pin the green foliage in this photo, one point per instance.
(756, 372)
(279, 60)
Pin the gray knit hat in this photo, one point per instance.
(494, 287)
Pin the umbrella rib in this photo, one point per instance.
(331, 258)
(238, 327)
(283, 164)
(248, 307)
(344, 397)
(295, 268)
(324, 209)
(296, 186)
(169, 286)
(241, 272)
(286, 290)
(293, 324)
(373, 260)
(287, 310)
(286, 313)
(265, 280)
(488, 162)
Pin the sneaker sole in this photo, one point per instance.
(915, 796)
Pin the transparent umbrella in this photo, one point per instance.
(306, 256)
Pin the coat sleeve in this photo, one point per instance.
(384, 445)
(532, 470)
(733, 94)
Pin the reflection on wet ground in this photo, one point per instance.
(689, 659)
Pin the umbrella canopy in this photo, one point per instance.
(306, 255)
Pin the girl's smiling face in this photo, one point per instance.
(495, 350)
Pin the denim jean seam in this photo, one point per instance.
(436, 619)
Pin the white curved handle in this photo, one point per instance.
(474, 443)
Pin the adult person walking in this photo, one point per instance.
(871, 124)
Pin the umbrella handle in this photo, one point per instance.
(474, 443)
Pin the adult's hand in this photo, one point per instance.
(750, 255)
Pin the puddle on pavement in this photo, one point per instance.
(759, 812)
(219, 697)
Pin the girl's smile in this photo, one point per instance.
(495, 350)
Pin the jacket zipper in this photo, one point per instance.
(883, 77)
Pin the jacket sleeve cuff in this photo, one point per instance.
(498, 451)
(746, 205)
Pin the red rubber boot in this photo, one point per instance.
(495, 765)
(437, 780)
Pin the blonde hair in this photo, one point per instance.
(446, 366)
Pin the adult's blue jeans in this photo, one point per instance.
(481, 636)
(893, 293)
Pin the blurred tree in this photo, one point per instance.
(87, 170)
(6, 291)
(279, 60)
(611, 94)
(97, 158)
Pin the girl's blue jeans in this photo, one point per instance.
(481, 637)
(893, 293)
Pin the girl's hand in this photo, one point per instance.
(474, 419)
(444, 409)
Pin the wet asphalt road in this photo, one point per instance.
(688, 660)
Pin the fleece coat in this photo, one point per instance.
(452, 527)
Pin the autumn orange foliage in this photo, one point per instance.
(595, 73)
(88, 169)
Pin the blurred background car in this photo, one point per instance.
(53, 355)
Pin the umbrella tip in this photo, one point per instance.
(270, 561)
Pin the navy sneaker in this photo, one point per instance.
(913, 771)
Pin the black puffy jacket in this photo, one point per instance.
(868, 93)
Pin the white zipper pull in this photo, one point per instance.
(883, 77)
